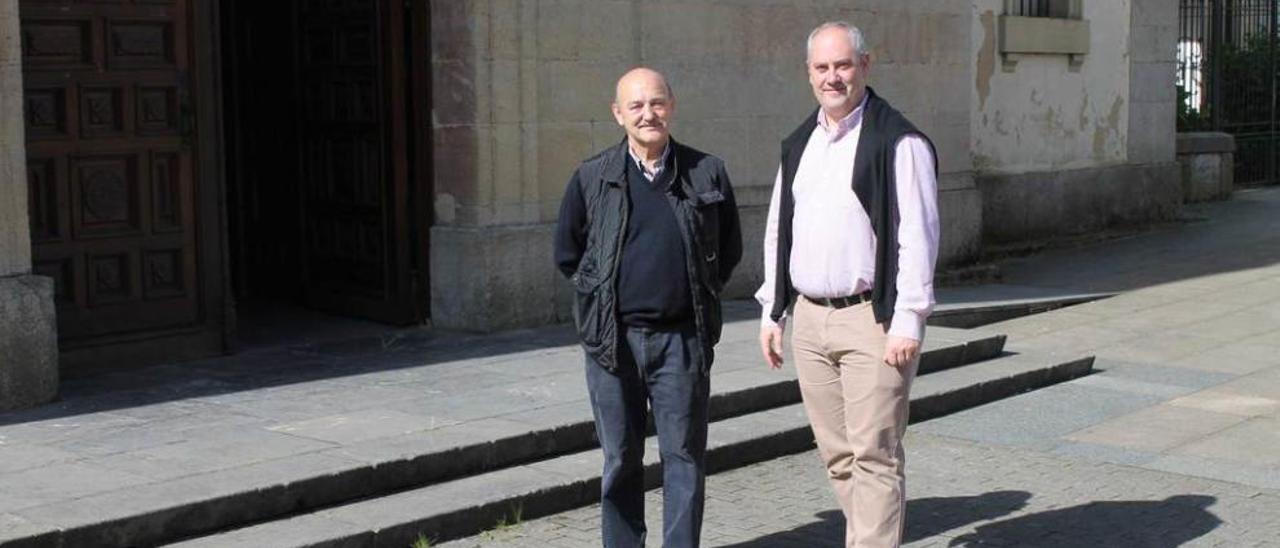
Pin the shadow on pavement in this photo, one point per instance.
(1212, 238)
(1165, 523)
(926, 517)
(301, 360)
(281, 365)
(1130, 523)
(827, 531)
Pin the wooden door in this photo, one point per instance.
(110, 111)
(354, 160)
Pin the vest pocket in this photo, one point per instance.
(706, 216)
(588, 307)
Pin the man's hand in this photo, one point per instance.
(771, 345)
(898, 351)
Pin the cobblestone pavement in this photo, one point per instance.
(961, 494)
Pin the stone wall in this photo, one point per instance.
(28, 341)
(522, 93)
(1207, 160)
(28, 332)
(1043, 204)
(1153, 111)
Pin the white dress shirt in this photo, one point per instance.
(833, 243)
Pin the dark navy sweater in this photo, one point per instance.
(653, 283)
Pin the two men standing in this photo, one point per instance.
(648, 235)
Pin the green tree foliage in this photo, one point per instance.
(1249, 73)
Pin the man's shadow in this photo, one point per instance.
(1173, 521)
(1160, 523)
(926, 517)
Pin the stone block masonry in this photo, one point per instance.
(28, 342)
(28, 334)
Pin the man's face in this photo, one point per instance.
(837, 72)
(643, 107)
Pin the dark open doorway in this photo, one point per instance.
(328, 162)
(261, 132)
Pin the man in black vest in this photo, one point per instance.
(851, 239)
(648, 235)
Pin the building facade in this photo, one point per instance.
(170, 162)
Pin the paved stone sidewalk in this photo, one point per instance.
(1175, 442)
(961, 494)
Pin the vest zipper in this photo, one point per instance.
(617, 258)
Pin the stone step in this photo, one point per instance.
(972, 307)
(161, 512)
(947, 347)
(469, 505)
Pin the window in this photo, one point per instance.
(1060, 9)
(1043, 27)
(1190, 81)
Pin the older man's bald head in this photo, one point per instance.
(641, 76)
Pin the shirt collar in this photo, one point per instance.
(658, 168)
(845, 124)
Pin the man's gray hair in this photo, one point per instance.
(855, 37)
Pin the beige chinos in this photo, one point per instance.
(857, 405)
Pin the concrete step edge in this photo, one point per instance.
(969, 315)
(970, 351)
(547, 488)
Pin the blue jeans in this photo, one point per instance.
(658, 369)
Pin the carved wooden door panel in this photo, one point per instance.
(354, 159)
(110, 164)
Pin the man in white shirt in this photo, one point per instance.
(852, 238)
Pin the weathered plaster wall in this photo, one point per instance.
(1042, 116)
(1058, 151)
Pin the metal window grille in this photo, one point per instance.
(1228, 63)
(1031, 8)
(1062, 9)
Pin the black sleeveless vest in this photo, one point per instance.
(873, 182)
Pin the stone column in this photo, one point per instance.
(1153, 108)
(28, 331)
